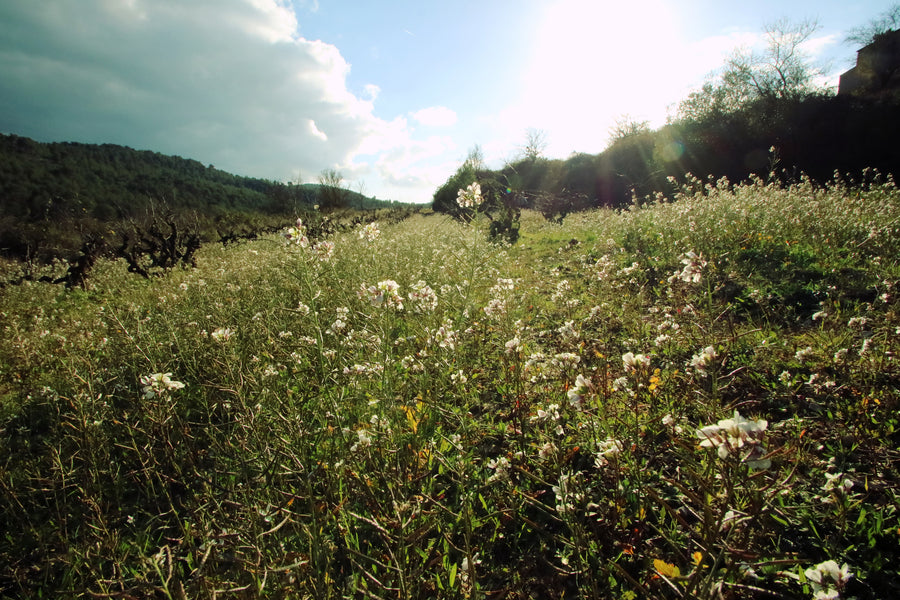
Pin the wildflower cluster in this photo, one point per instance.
(363, 369)
(487, 420)
(297, 234)
(159, 384)
(222, 334)
(577, 392)
(737, 437)
(704, 359)
(837, 485)
(500, 466)
(608, 449)
(340, 322)
(364, 440)
(692, 270)
(444, 336)
(828, 579)
(568, 497)
(385, 293)
(470, 197)
(500, 292)
(635, 362)
(324, 250)
(370, 232)
(422, 298)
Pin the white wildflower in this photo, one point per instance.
(827, 579)
(470, 197)
(324, 250)
(500, 466)
(857, 322)
(385, 293)
(513, 346)
(803, 354)
(222, 334)
(704, 359)
(158, 384)
(693, 268)
(422, 297)
(576, 392)
(548, 450)
(364, 440)
(369, 232)
(738, 437)
(607, 449)
(634, 361)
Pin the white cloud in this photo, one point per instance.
(228, 82)
(818, 45)
(316, 132)
(435, 116)
(371, 90)
(276, 21)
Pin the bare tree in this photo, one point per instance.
(361, 192)
(332, 194)
(782, 70)
(625, 127)
(886, 22)
(535, 143)
(475, 159)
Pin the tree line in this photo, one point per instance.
(762, 114)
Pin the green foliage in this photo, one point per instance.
(781, 72)
(525, 424)
(816, 135)
(56, 196)
(626, 127)
(444, 200)
(60, 180)
(500, 206)
(530, 176)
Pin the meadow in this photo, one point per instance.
(696, 397)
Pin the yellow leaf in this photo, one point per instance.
(698, 558)
(665, 569)
(411, 419)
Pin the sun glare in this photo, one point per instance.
(596, 61)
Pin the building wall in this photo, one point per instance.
(877, 69)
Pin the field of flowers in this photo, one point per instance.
(694, 398)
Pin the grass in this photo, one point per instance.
(526, 425)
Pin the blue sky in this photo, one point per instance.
(393, 94)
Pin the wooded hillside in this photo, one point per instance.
(53, 196)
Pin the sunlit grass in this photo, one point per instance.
(694, 398)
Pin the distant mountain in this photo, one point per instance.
(51, 180)
(54, 195)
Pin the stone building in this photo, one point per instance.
(877, 70)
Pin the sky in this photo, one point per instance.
(392, 94)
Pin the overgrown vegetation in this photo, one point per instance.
(691, 398)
